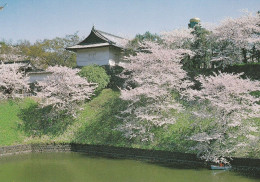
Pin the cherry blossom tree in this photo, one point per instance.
(13, 81)
(236, 38)
(179, 38)
(229, 105)
(64, 89)
(155, 74)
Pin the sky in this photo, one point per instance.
(46, 19)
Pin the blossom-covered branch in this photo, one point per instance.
(156, 72)
(64, 89)
(13, 81)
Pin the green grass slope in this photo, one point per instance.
(24, 122)
(96, 122)
(10, 134)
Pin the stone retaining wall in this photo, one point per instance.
(20, 149)
(16, 149)
(164, 157)
(155, 156)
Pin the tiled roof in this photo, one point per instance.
(118, 41)
(98, 38)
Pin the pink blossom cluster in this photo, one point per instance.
(178, 38)
(13, 82)
(233, 35)
(242, 31)
(231, 106)
(64, 89)
(157, 72)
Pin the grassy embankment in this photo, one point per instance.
(24, 122)
(9, 122)
(96, 123)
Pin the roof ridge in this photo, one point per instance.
(109, 34)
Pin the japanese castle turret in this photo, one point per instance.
(99, 48)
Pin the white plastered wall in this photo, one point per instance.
(114, 56)
(99, 56)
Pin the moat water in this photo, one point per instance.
(73, 167)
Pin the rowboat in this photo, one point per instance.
(214, 167)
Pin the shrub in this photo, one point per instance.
(116, 81)
(95, 74)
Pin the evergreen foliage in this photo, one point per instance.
(95, 74)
